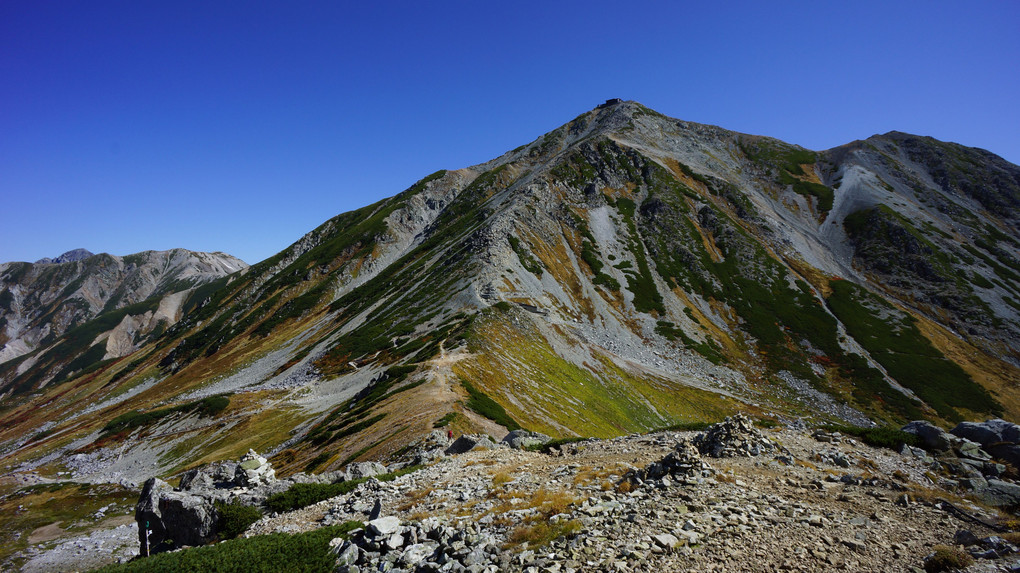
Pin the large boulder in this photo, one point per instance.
(999, 493)
(990, 432)
(214, 475)
(933, 437)
(151, 533)
(1009, 453)
(523, 439)
(189, 519)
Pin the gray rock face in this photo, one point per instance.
(989, 432)
(521, 439)
(1006, 452)
(189, 520)
(151, 531)
(999, 493)
(214, 475)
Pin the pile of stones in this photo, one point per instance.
(387, 545)
(683, 465)
(734, 436)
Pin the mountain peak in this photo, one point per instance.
(68, 257)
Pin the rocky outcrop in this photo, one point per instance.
(189, 515)
(361, 470)
(972, 453)
(998, 437)
(169, 518)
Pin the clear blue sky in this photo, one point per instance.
(239, 126)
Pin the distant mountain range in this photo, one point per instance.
(624, 271)
(135, 296)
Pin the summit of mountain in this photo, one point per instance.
(623, 272)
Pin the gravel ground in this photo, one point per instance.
(84, 552)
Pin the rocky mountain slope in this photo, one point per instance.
(623, 272)
(134, 297)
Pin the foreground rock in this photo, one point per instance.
(656, 503)
(806, 502)
(169, 518)
(975, 454)
(387, 545)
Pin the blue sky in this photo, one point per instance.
(239, 126)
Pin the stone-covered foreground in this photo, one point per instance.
(732, 498)
(786, 500)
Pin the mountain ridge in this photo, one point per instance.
(624, 271)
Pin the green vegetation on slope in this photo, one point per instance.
(485, 406)
(893, 339)
(547, 392)
(207, 407)
(881, 437)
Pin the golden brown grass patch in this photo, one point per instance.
(805, 464)
(1001, 378)
(541, 533)
(413, 498)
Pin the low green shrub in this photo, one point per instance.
(235, 518)
(304, 494)
(882, 437)
(444, 421)
(206, 407)
(304, 552)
